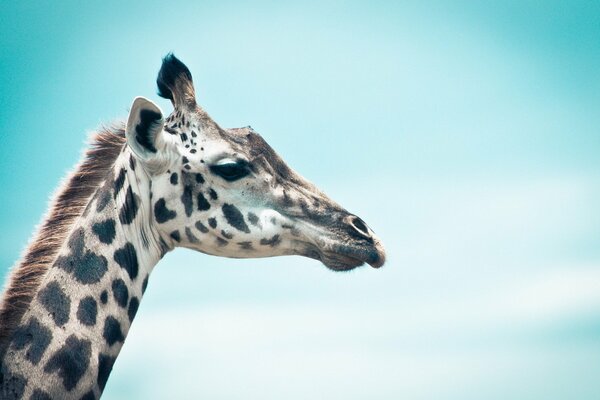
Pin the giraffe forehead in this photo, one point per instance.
(203, 140)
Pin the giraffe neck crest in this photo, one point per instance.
(67, 205)
(83, 306)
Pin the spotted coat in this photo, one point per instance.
(179, 181)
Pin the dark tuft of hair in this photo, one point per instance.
(171, 69)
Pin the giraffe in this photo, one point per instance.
(145, 187)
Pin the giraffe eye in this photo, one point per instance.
(231, 171)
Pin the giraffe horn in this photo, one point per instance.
(175, 82)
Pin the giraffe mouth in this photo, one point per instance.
(344, 257)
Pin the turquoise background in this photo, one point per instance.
(466, 134)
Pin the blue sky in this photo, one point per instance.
(466, 134)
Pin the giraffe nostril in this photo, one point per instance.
(359, 225)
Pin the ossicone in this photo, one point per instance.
(175, 83)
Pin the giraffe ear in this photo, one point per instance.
(144, 129)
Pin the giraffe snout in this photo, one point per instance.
(374, 254)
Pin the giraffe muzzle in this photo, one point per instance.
(347, 257)
(355, 245)
(366, 247)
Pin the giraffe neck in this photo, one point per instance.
(71, 335)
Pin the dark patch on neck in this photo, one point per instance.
(226, 235)
(112, 331)
(132, 162)
(161, 213)
(103, 197)
(88, 396)
(71, 361)
(235, 218)
(212, 194)
(119, 182)
(127, 259)
(130, 207)
(56, 302)
(35, 336)
(39, 394)
(87, 311)
(105, 365)
(105, 230)
(175, 236)
(212, 222)
(86, 266)
(104, 297)
(120, 292)
(144, 130)
(12, 385)
(134, 304)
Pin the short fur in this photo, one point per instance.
(66, 206)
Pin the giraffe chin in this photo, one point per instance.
(346, 258)
(340, 263)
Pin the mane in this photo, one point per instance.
(67, 204)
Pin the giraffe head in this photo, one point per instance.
(226, 192)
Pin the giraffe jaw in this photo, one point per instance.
(345, 257)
